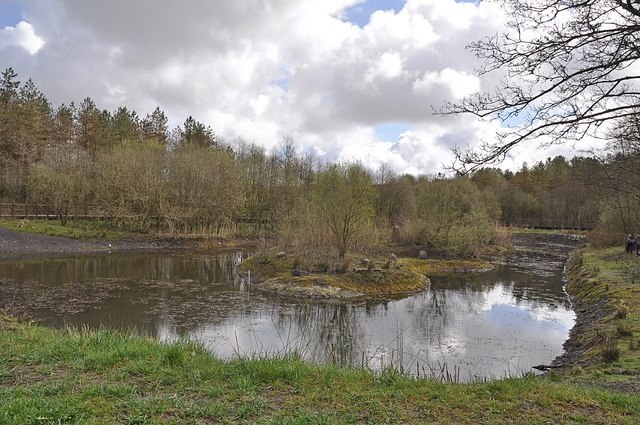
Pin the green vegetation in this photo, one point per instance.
(84, 377)
(353, 276)
(76, 229)
(451, 215)
(607, 345)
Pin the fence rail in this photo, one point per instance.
(40, 211)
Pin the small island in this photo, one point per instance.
(348, 278)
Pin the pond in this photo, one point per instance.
(496, 324)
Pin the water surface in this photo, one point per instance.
(499, 323)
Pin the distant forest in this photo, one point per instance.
(140, 175)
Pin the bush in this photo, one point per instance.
(610, 351)
(621, 310)
(611, 230)
(623, 329)
(452, 216)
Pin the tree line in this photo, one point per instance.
(142, 176)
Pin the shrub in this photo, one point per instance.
(621, 310)
(452, 216)
(623, 329)
(610, 351)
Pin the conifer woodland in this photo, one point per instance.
(136, 173)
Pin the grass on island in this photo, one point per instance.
(350, 277)
(435, 267)
(323, 277)
(607, 282)
(76, 229)
(87, 377)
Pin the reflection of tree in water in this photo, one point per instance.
(451, 301)
(329, 332)
(122, 290)
(201, 268)
(194, 295)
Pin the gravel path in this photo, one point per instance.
(22, 244)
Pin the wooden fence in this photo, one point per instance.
(39, 211)
(21, 210)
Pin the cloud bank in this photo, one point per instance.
(262, 69)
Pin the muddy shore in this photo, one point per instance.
(17, 245)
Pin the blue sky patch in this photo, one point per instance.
(360, 13)
(10, 13)
(390, 131)
(283, 80)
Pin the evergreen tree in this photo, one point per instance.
(88, 125)
(125, 125)
(155, 126)
(196, 133)
(8, 111)
(34, 124)
(63, 124)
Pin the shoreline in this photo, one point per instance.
(22, 245)
(579, 363)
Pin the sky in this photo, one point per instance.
(348, 80)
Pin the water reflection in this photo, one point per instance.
(501, 322)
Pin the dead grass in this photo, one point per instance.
(327, 278)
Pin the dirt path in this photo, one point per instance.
(15, 245)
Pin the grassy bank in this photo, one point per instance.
(76, 229)
(605, 345)
(51, 376)
(99, 230)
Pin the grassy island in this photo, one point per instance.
(316, 277)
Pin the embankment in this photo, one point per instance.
(604, 345)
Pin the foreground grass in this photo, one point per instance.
(51, 376)
(76, 229)
(606, 284)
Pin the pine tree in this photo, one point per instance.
(155, 126)
(88, 125)
(8, 111)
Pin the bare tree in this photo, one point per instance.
(568, 66)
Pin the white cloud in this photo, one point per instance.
(459, 83)
(388, 67)
(262, 69)
(21, 35)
